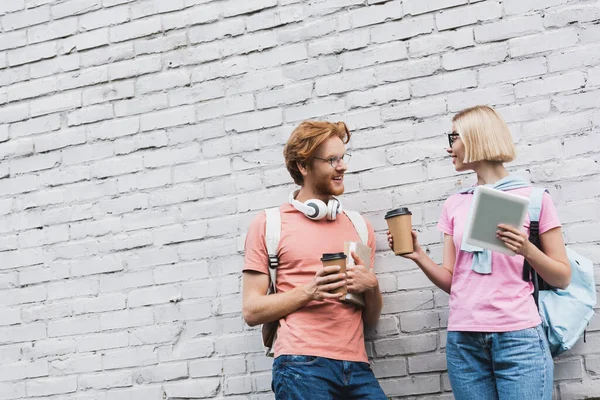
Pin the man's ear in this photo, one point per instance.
(303, 168)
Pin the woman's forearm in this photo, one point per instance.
(554, 272)
(440, 276)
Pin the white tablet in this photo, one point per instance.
(492, 207)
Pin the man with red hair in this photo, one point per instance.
(320, 349)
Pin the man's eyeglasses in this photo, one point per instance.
(452, 136)
(335, 160)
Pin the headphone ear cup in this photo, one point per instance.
(320, 208)
(332, 209)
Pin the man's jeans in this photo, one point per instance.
(506, 366)
(319, 378)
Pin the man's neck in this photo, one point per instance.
(306, 193)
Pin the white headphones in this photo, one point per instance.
(316, 209)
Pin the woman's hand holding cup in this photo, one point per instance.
(417, 249)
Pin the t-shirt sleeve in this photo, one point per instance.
(548, 215)
(446, 223)
(256, 257)
(371, 243)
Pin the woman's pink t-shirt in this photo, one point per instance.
(498, 302)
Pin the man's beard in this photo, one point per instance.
(324, 186)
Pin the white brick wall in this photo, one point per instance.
(138, 138)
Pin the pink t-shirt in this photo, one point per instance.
(327, 328)
(500, 301)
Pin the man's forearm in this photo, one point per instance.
(373, 306)
(266, 308)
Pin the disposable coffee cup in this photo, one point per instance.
(329, 259)
(400, 224)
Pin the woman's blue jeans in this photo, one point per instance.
(500, 366)
(319, 378)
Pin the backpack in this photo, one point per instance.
(565, 313)
(272, 236)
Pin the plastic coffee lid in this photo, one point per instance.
(397, 212)
(333, 256)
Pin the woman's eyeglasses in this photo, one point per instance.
(335, 160)
(452, 136)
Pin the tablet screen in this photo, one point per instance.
(493, 207)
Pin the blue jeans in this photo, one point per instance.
(500, 366)
(319, 378)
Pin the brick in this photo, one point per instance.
(160, 44)
(561, 83)
(287, 95)
(140, 105)
(574, 102)
(84, 41)
(314, 109)
(345, 82)
(407, 28)
(415, 108)
(488, 54)
(468, 15)
(106, 380)
(513, 71)
(53, 30)
(509, 28)
(395, 72)
(406, 345)
(90, 114)
(443, 83)
(31, 53)
(415, 7)
(13, 40)
(273, 18)
(543, 42)
(227, 28)
(221, 69)
(523, 6)
(104, 55)
(35, 126)
(136, 67)
(50, 386)
(135, 29)
(494, 96)
(376, 14)
(60, 102)
(191, 16)
(574, 58)
(150, 7)
(26, 18)
(73, 326)
(412, 386)
(74, 7)
(54, 66)
(12, 6)
(162, 81)
(134, 357)
(231, 7)
(438, 43)
(72, 288)
(197, 93)
(378, 95)
(193, 387)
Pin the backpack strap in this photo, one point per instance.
(535, 208)
(272, 236)
(359, 224)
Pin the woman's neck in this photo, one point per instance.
(489, 172)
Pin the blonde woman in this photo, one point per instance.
(496, 348)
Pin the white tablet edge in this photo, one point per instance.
(493, 246)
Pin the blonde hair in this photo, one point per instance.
(305, 139)
(485, 135)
